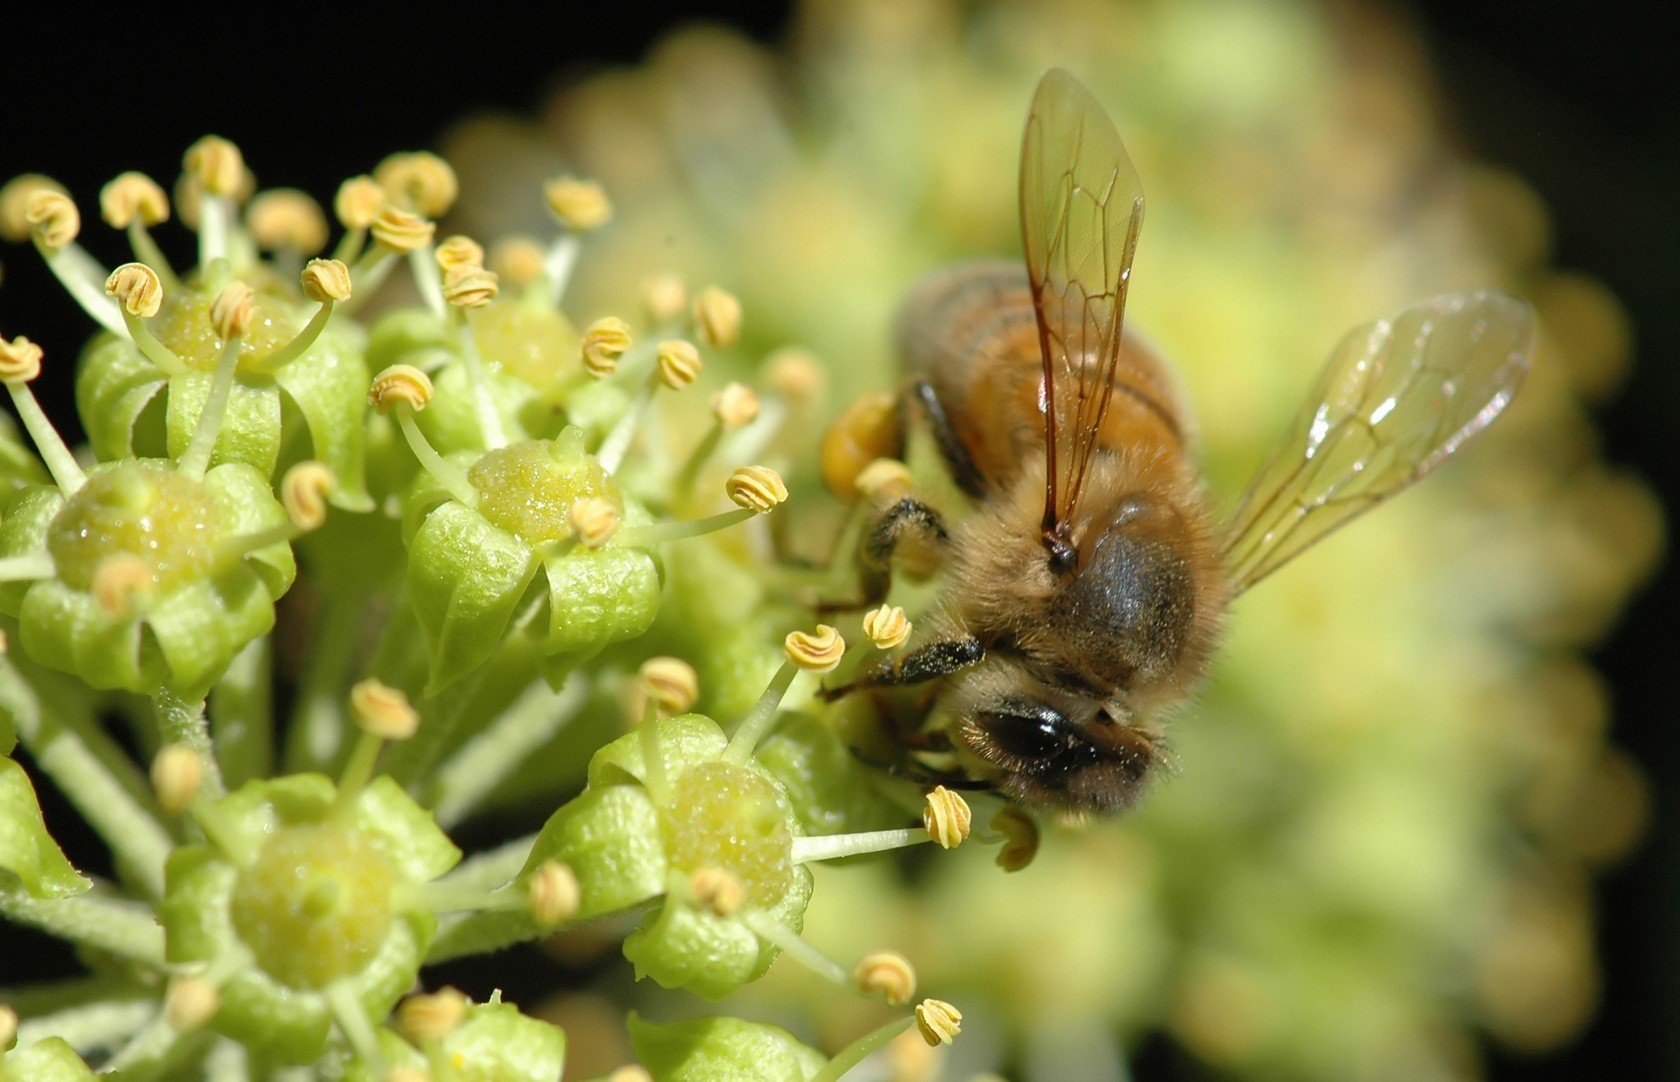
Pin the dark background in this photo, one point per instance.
(1581, 99)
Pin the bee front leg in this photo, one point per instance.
(905, 517)
(957, 459)
(929, 661)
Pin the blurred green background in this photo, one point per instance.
(1406, 839)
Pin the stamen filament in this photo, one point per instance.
(422, 263)
(215, 219)
(557, 265)
(768, 928)
(221, 832)
(367, 274)
(656, 533)
(467, 898)
(147, 251)
(352, 1018)
(298, 346)
(60, 462)
(233, 549)
(84, 279)
(445, 473)
(756, 724)
(658, 781)
(484, 403)
(861, 1049)
(617, 444)
(153, 350)
(697, 458)
(358, 769)
(196, 459)
(350, 245)
(30, 565)
(810, 850)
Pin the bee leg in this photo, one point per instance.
(957, 459)
(906, 516)
(921, 775)
(929, 661)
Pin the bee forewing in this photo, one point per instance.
(1397, 397)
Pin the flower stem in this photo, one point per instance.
(485, 761)
(101, 1024)
(493, 867)
(91, 920)
(242, 715)
(181, 722)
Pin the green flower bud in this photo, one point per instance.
(315, 893)
(721, 1050)
(30, 860)
(186, 601)
(47, 1060)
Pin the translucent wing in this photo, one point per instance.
(1398, 397)
(1081, 208)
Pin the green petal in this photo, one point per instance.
(404, 831)
(498, 1044)
(66, 629)
(194, 907)
(24, 523)
(721, 1050)
(450, 420)
(201, 627)
(599, 597)
(248, 506)
(713, 957)
(250, 431)
(47, 1060)
(271, 1019)
(684, 741)
(29, 858)
(610, 838)
(830, 790)
(329, 387)
(114, 384)
(464, 577)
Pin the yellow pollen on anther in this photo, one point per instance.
(469, 285)
(595, 520)
(604, 342)
(553, 894)
(938, 1021)
(579, 205)
(717, 314)
(400, 230)
(232, 310)
(400, 384)
(20, 360)
(325, 280)
(736, 405)
(887, 627)
(304, 491)
(518, 259)
(287, 218)
(53, 218)
(458, 251)
(664, 296)
(947, 817)
(887, 973)
(358, 202)
(131, 197)
(420, 180)
(885, 479)
(383, 711)
(432, 1016)
(795, 374)
(121, 582)
(670, 683)
(217, 164)
(14, 203)
(756, 488)
(137, 288)
(193, 1002)
(679, 363)
(717, 891)
(177, 776)
(630, 1072)
(816, 651)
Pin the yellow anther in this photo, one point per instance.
(866, 430)
(887, 627)
(717, 314)
(604, 342)
(400, 230)
(518, 259)
(53, 218)
(717, 891)
(947, 817)
(664, 296)
(382, 710)
(670, 683)
(938, 1021)
(815, 651)
(553, 894)
(885, 479)
(595, 521)
(679, 363)
(325, 280)
(14, 203)
(577, 204)
(458, 251)
(407, 1074)
(400, 384)
(756, 488)
(470, 286)
(432, 1016)
(232, 310)
(8, 1028)
(358, 202)
(419, 180)
(217, 164)
(304, 491)
(795, 374)
(735, 405)
(630, 1072)
(1020, 838)
(287, 218)
(132, 197)
(20, 360)
(888, 973)
(120, 583)
(137, 288)
(177, 776)
(193, 1002)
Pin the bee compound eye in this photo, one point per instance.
(1024, 730)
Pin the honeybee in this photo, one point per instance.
(1084, 593)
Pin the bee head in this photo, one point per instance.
(1048, 760)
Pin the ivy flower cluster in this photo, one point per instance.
(441, 536)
